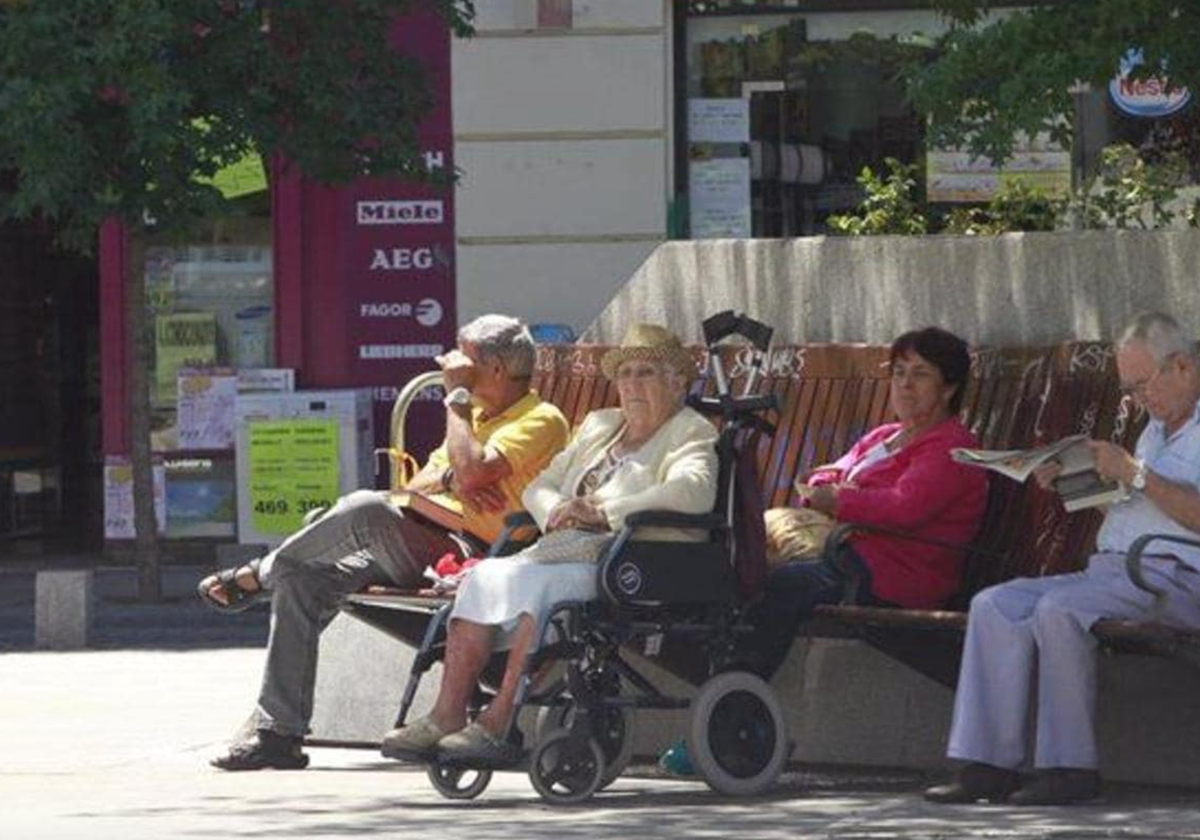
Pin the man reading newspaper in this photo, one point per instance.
(1078, 484)
(1031, 635)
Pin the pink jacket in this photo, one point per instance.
(917, 489)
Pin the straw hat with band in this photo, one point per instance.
(650, 343)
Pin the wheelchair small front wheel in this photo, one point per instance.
(566, 769)
(613, 731)
(458, 782)
(738, 738)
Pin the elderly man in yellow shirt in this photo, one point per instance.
(499, 436)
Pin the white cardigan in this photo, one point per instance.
(676, 469)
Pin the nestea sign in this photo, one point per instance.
(1148, 97)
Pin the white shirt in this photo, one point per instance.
(872, 456)
(1175, 458)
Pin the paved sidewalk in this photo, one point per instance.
(113, 744)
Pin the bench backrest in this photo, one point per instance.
(830, 394)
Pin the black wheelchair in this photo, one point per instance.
(679, 605)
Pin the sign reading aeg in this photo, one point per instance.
(401, 259)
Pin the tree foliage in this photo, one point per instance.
(890, 204)
(1015, 207)
(121, 108)
(1001, 71)
(125, 109)
(1127, 191)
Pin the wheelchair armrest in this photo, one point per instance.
(660, 519)
(1133, 558)
(673, 519)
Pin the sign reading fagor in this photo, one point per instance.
(428, 212)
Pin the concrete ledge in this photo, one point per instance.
(847, 704)
(235, 554)
(361, 674)
(63, 610)
(1012, 289)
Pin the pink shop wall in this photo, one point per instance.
(364, 278)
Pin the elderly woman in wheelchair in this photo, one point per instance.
(651, 453)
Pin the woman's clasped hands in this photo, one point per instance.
(579, 512)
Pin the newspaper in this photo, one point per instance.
(1077, 484)
(1019, 464)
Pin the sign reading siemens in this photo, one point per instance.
(1148, 97)
(428, 212)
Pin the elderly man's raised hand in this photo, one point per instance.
(458, 371)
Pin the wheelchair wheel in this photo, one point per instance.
(458, 782)
(613, 732)
(565, 770)
(738, 737)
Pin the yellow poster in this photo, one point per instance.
(184, 339)
(293, 469)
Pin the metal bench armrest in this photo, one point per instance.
(1133, 558)
(843, 531)
(673, 519)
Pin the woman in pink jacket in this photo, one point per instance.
(899, 476)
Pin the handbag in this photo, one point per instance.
(569, 545)
(795, 534)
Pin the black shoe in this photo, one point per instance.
(974, 782)
(1059, 786)
(266, 749)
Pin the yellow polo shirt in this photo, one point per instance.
(528, 434)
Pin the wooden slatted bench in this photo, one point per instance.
(829, 395)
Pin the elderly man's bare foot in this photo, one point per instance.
(232, 590)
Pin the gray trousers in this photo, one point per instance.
(1028, 647)
(361, 541)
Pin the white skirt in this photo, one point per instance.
(502, 589)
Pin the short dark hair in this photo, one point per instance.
(944, 350)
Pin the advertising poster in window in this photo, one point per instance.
(118, 498)
(204, 407)
(181, 339)
(718, 120)
(959, 176)
(719, 192)
(293, 470)
(397, 261)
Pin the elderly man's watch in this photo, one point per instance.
(1138, 482)
(457, 396)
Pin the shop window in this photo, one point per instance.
(211, 302)
(815, 111)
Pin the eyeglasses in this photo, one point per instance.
(1139, 389)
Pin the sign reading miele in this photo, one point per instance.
(400, 212)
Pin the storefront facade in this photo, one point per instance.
(584, 134)
(308, 288)
(789, 100)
